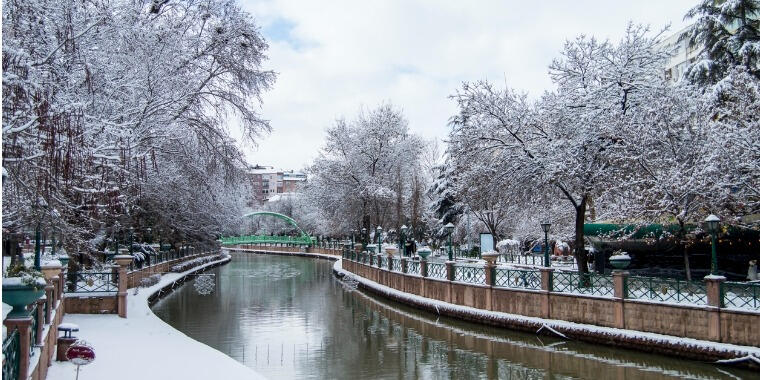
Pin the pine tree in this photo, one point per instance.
(729, 32)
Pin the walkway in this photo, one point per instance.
(143, 346)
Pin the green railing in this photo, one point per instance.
(436, 270)
(33, 329)
(470, 274)
(91, 282)
(11, 355)
(396, 264)
(515, 278)
(666, 290)
(255, 239)
(413, 267)
(587, 283)
(741, 295)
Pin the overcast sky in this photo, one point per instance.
(335, 57)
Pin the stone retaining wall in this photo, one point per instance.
(698, 322)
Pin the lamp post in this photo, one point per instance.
(37, 237)
(149, 232)
(401, 240)
(353, 240)
(379, 232)
(449, 228)
(712, 222)
(131, 237)
(364, 238)
(545, 226)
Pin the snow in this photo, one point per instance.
(558, 325)
(121, 344)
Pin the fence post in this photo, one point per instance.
(404, 265)
(620, 292)
(713, 285)
(450, 270)
(123, 261)
(24, 344)
(490, 269)
(390, 263)
(547, 286)
(49, 294)
(423, 268)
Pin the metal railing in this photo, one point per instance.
(666, 290)
(586, 283)
(436, 270)
(516, 278)
(470, 274)
(11, 355)
(33, 328)
(413, 267)
(91, 282)
(396, 264)
(741, 295)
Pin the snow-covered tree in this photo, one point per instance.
(729, 33)
(115, 114)
(363, 175)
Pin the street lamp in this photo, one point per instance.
(402, 246)
(364, 238)
(379, 232)
(353, 241)
(449, 228)
(712, 222)
(545, 225)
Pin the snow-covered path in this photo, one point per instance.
(142, 346)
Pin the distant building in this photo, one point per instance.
(684, 54)
(266, 182)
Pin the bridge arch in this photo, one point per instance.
(303, 239)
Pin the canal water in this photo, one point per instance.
(290, 318)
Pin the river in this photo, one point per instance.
(289, 317)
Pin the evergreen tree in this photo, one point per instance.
(729, 32)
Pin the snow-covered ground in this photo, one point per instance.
(143, 346)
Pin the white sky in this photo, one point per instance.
(334, 57)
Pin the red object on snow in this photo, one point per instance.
(80, 354)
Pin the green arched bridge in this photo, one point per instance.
(302, 239)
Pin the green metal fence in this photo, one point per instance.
(11, 355)
(91, 282)
(413, 267)
(33, 329)
(587, 283)
(396, 264)
(255, 239)
(436, 270)
(515, 278)
(666, 290)
(741, 295)
(470, 274)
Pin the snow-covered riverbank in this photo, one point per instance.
(143, 346)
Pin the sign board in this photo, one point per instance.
(80, 353)
(486, 242)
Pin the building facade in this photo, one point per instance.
(266, 182)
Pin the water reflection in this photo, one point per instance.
(288, 317)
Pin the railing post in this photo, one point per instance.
(25, 342)
(123, 261)
(620, 292)
(547, 286)
(390, 263)
(423, 268)
(49, 294)
(713, 285)
(450, 270)
(404, 265)
(490, 269)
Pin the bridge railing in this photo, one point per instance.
(255, 239)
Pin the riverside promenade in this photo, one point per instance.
(142, 346)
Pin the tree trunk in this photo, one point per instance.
(580, 251)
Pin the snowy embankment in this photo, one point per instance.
(686, 347)
(142, 346)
